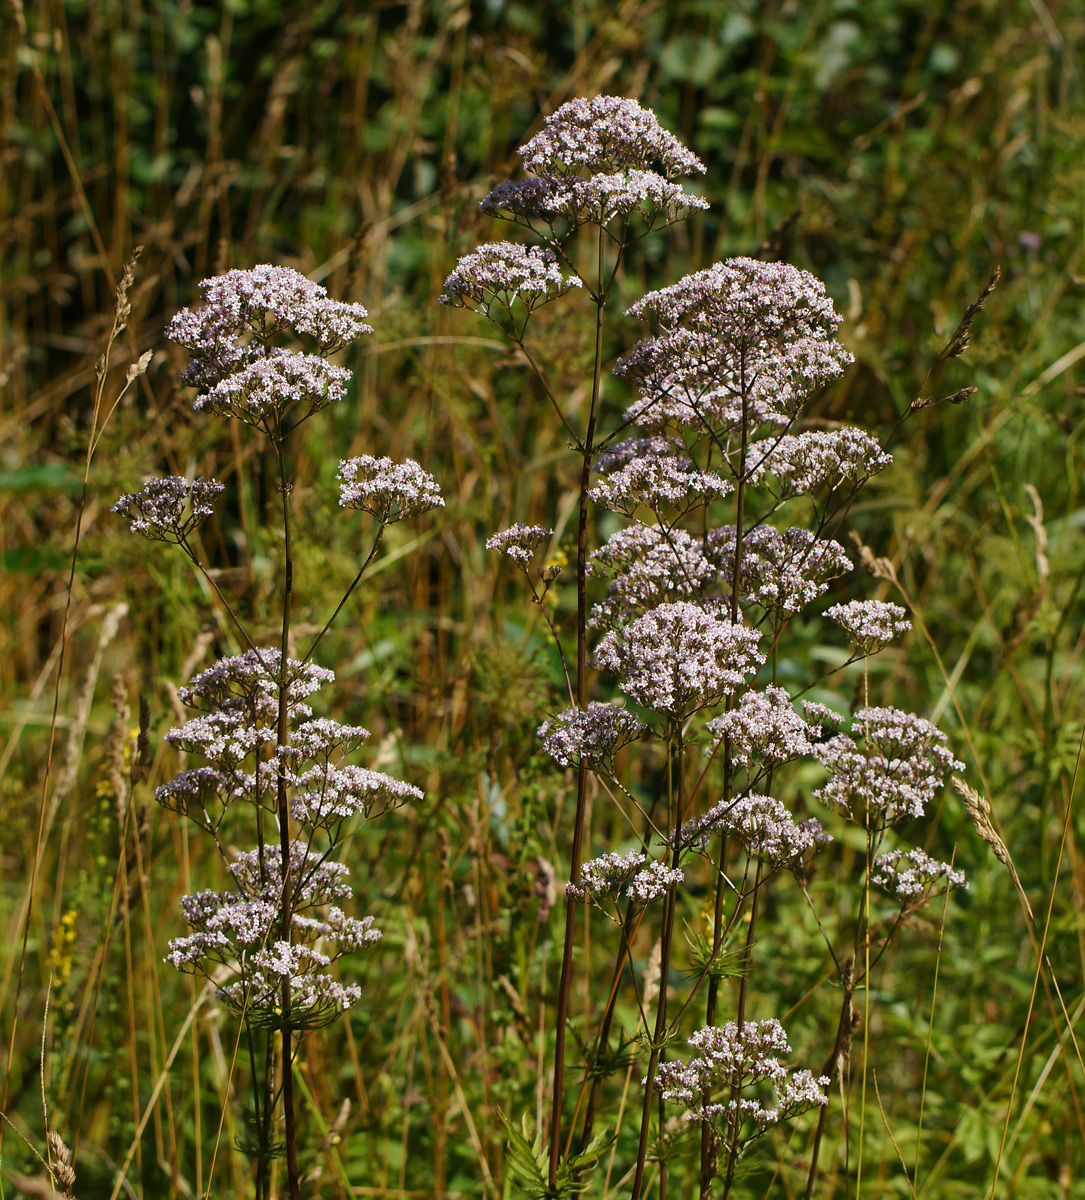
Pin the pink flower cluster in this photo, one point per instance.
(679, 658)
(595, 161)
(760, 331)
(241, 932)
(888, 769)
(245, 311)
(741, 1059)
(591, 736)
(913, 875)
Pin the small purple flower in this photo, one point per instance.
(169, 508)
(591, 736)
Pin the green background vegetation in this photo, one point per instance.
(919, 143)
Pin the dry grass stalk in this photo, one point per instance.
(979, 809)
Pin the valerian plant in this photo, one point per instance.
(730, 498)
(269, 767)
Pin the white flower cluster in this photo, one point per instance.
(761, 330)
(650, 565)
(870, 624)
(719, 408)
(604, 877)
(764, 725)
(606, 134)
(503, 272)
(244, 311)
(654, 882)
(250, 682)
(387, 490)
(520, 542)
(798, 464)
(913, 875)
(325, 795)
(596, 161)
(732, 1058)
(257, 392)
(236, 731)
(780, 570)
(654, 473)
(242, 931)
(763, 825)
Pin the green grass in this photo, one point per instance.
(924, 145)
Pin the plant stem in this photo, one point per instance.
(835, 1066)
(740, 1017)
(565, 982)
(708, 1136)
(677, 764)
(281, 739)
